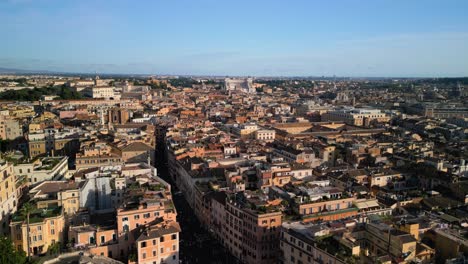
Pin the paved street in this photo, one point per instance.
(196, 244)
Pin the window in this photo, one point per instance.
(154, 242)
(147, 215)
(162, 250)
(144, 255)
(174, 247)
(154, 253)
(124, 218)
(39, 228)
(174, 236)
(161, 239)
(143, 244)
(52, 231)
(136, 217)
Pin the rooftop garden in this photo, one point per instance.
(156, 187)
(37, 215)
(49, 163)
(14, 157)
(307, 200)
(333, 247)
(263, 209)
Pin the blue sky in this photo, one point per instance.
(227, 37)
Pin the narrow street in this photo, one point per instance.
(196, 244)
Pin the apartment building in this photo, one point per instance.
(328, 210)
(325, 203)
(265, 135)
(449, 243)
(97, 154)
(101, 92)
(137, 213)
(273, 175)
(53, 142)
(218, 214)
(61, 193)
(21, 111)
(356, 116)
(382, 239)
(43, 169)
(438, 110)
(300, 244)
(383, 177)
(10, 128)
(291, 154)
(8, 195)
(46, 227)
(81, 83)
(137, 152)
(251, 235)
(98, 236)
(118, 219)
(159, 244)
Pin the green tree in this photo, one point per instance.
(8, 253)
(54, 249)
(26, 211)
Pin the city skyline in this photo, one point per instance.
(233, 131)
(356, 39)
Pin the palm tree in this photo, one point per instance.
(26, 212)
